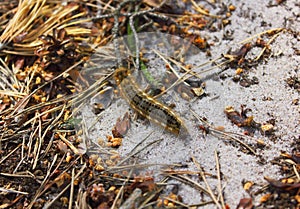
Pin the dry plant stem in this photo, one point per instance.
(201, 204)
(95, 87)
(229, 135)
(145, 25)
(179, 80)
(9, 154)
(164, 17)
(115, 30)
(189, 181)
(12, 191)
(12, 93)
(42, 114)
(45, 186)
(9, 74)
(202, 11)
(217, 65)
(184, 68)
(177, 202)
(219, 180)
(211, 194)
(131, 24)
(19, 22)
(17, 134)
(46, 206)
(105, 6)
(25, 174)
(25, 22)
(52, 125)
(132, 199)
(40, 189)
(43, 85)
(72, 147)
(163, 57)
(121, 189)
(72, 189)
(268, 43)
(52, 102)
(81, 202)
(134, 152)
(146, 203)
(49, 185)
(222, 133)
(116, 12)
(116, 169)
(111, 178)
(296, 172)
(188, 72)
(137, 42)
(31, 137)
(278, 30)
(8, 205)
(22, 156)
(175, 172)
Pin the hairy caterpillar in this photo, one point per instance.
(145, 105)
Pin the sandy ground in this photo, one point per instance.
(237, 166)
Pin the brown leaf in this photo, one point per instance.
(245, 203)
(122, 126)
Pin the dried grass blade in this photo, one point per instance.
(12, 191)
(210, 192)
(72, 189)
(26, 14)
(189, 181)
(202, 11)
(51, 125)
(277, 30)
(223, 134)
(9, 154)
(72, 147)
(48, 205)
(40, 189)
(121, 189)
(132, 199)
(12, 93)
(38, 144)
(219, 180)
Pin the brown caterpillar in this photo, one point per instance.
(144, 104)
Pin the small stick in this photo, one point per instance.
(206, 183)
(193, 183)
(219, 180)
(7, 156)
(72, 189)
(121, 189)
(46, 206)
(222, 133)
(262, 33)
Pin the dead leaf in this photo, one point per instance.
(245, 203)
(122, 126)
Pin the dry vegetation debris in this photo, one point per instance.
(43, 159)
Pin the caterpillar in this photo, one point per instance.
(145, 105)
